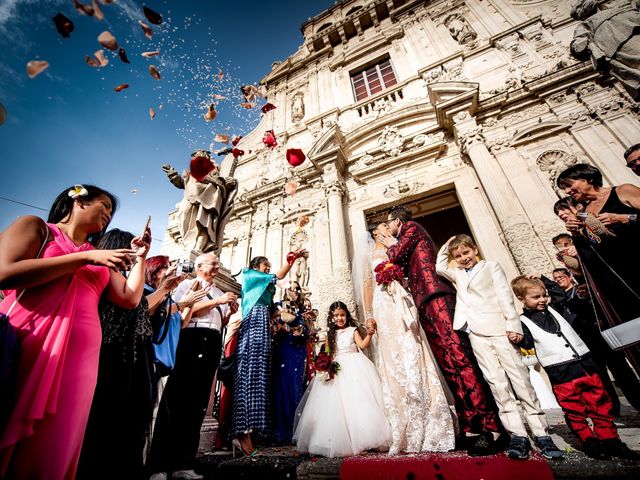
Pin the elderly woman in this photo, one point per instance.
(606, 230)
(251, 388)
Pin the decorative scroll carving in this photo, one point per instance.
(401, 189)
(391, 141)
(553, 162)
(526, 250)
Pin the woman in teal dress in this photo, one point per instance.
(252, 388)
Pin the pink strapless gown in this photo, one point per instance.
(60, 334)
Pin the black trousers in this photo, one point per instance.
(184, 402)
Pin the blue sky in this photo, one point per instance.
(68, 125)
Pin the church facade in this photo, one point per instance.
(464, 110)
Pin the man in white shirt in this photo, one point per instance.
(186, 396)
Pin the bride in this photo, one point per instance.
(414, 392)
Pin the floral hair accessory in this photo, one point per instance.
(78, 191)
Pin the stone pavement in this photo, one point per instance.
(285, 464)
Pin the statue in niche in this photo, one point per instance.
(460, 29)
(611, 37)
(204, 210)
(300, 269)
(297, 107)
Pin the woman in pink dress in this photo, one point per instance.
(56, 320)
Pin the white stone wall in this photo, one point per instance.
(494, 114)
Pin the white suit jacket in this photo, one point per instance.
(484, 300)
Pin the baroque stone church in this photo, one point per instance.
(464, 110)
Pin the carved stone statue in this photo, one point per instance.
(297, 107)
(612, 38)
(460, 29)
(205, 208)
(300, 269)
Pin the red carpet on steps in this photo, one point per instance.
(444, 466)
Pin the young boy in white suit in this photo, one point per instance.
(486, 311)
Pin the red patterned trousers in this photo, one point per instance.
(475, 407)
(586, 397)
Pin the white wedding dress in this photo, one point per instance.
(414, 395)
(344, 416)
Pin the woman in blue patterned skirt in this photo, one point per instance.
(251, 387)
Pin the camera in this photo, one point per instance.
(184, 267)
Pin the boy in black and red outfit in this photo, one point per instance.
(573, 374)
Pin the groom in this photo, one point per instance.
(435, 299)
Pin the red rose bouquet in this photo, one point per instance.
(326, 367)
(386, 273)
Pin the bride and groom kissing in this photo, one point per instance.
(423, 370)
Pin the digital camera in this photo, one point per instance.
(184, 267)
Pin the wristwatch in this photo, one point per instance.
(632, 217)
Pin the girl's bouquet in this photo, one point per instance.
(386, 274)
(326, 367)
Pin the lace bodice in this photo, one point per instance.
(345, 343)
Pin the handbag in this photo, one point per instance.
(165, 341)
(10, 358)
(227, 370)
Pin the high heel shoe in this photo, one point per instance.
(235, 443)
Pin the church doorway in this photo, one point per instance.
(439, 212)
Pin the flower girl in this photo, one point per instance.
(342, 412)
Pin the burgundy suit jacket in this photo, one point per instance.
(416, 253)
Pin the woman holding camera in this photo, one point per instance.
(606, 232)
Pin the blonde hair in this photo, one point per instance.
(522, 283)
(461, 240)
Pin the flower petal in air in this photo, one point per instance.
(152, 16)
(153, 71)
(150, 54)
(123, 55)
(267, 107)
(36, 67)
(146, 29)
(107, 40)
(119, 88)
(64, 26)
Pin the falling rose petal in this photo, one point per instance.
(249, 92)
(220, 74)
(153, 71)
(295, 157)
(224, 151)
(146, 29)
(152, 113)
(97, 11)
(153, 17)
(64, 26)
(219, 97)
(123, 55)
(107, 40)
(267, 107)
(119, 88)
(90, 61)
(201, 166)
(269, 139)
(102, 60)
(106, 2)
(261, 91)
(221, 138)
(302, 221)
(236, 139)
(83, 9)
(134, 190)
(3, 114)
(247, 105)
(36, 67)
(211, 113)
(290, 188)
(237, 152)
(150, 54)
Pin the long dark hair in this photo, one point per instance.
(63, 205)
(256, 262)
(114, 239)
(371, 228)
(331, 334)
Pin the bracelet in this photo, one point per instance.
(632, 217)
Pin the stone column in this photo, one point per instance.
(525, 246)
(335, 188)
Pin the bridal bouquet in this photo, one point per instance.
(326, 367)
(387, 273)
